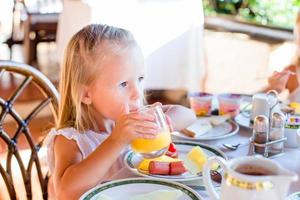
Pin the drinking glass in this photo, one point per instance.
(201, 103)
(229, 104)
(151, 148)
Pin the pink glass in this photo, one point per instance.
(201, 103)
(229, 104)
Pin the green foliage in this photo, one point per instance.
(278, 13)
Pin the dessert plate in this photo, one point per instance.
(132, 160)
(127, 189)
(223, 130)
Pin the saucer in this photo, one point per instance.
(294, 196)
(243, 120)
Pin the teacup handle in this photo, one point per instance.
(206, 176)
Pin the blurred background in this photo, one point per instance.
(213, 46)
(242, 41)
(239, 43)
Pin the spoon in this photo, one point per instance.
(233, 146)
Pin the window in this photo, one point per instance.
(274, 13)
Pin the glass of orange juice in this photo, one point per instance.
(151, 148)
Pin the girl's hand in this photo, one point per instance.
(293, 82)
(279, 80)
(165, 110)
(169, 122)
(134, 125)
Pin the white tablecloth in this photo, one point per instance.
(170, 33)
(290, 160)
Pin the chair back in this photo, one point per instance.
(11, 140)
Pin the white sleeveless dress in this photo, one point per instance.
(87, 142)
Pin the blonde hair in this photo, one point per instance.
(82, 64)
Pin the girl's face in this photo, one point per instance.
(118, 89)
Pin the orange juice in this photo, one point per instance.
(162, 140)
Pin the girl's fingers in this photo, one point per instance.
(169, 123)
(145, 136)
(141, 116)
(281, 75)
(157, 104)
(288, 71)
(144, 124)
(146, 130)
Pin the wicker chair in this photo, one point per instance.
(31, 75)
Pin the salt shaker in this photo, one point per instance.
(277, 132)
(261, 134)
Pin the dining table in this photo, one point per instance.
(290, 160)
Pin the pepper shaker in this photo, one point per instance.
(277, 132)
(261, 134)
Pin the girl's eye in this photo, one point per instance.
(141, 79)
(123, 84)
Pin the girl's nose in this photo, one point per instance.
(135, 105)
(136, 93)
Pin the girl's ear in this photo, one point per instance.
(86, 96)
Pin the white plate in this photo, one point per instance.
(223, 130)
(294, 196)
(132, 160)
(243, 120)
(126, 188)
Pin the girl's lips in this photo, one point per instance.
(134, 110)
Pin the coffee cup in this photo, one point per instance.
(248, 178)
(291, 131)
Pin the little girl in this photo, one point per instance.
(101, 93)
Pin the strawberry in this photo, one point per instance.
(172, 148)
(172, 151)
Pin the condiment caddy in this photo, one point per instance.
(268, 131)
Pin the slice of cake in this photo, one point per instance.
(195, 160)
(217, 120)
(200, 127)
